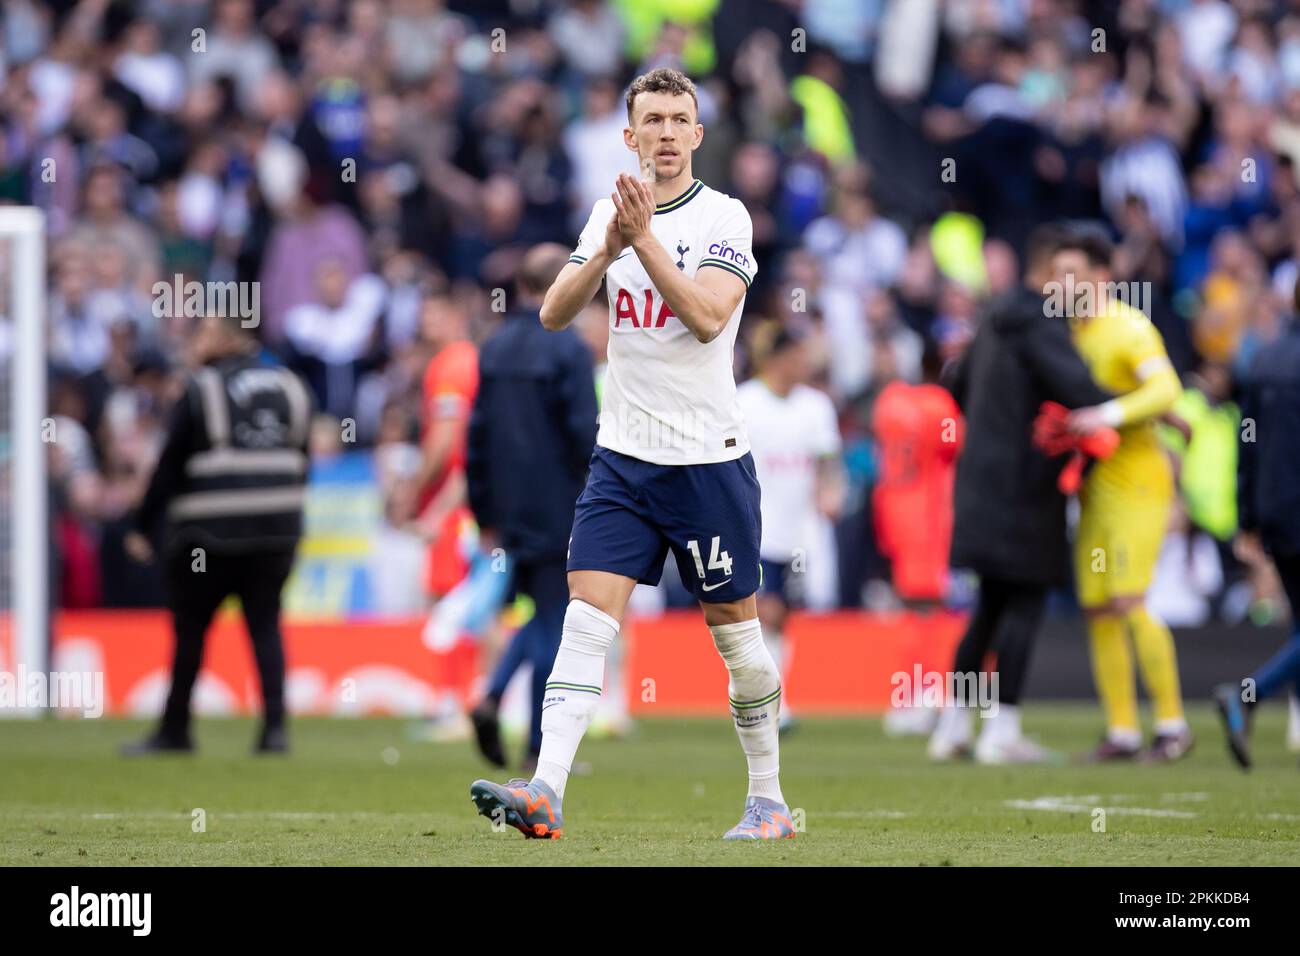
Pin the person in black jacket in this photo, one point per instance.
(226, 498)
(531, 433)
(1009, 516)
(1268, 508)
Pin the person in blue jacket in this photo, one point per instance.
(1268, 504)
(531, 434)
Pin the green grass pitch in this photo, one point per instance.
(360, 792)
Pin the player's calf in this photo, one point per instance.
(755, 698)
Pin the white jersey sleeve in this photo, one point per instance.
(730, 243)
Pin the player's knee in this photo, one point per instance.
(742, 647)
(730, 612)
(594, 597)
(608, 593)
(587, 628)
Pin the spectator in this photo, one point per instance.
(310, 231)
(334, 337)
(343, 155)
(233, 49)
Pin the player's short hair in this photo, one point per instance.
(1090, 239)
(785, 338)
(768, 339)
(663, 80)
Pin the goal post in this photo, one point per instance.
(24, 579)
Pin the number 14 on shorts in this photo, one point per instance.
(719, 560)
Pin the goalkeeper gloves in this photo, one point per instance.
(1053, 438)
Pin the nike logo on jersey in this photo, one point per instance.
(714, 587)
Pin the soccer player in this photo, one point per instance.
(919, 430)
(444, 518)
(795, 440)
(672, 469)
(450, 383)
(1125, 502)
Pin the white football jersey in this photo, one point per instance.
(670, 399)
(787, 436)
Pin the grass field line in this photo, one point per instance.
(221, 815)
(1091, 802)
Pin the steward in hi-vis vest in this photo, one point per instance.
(226, 501)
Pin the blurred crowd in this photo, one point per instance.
(380, 166)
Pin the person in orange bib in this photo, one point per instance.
(919, 429)
(450, 383)
(442, 510)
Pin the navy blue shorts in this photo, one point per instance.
(632, 513)
(783, 581)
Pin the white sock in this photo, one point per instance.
(755, 695)
(954, 724)
(1176, 726)
(1003, 725)
(573, 690)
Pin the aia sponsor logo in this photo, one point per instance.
(649, 318)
